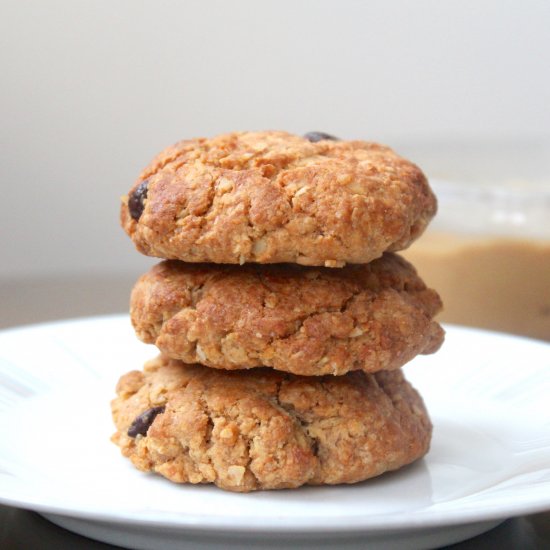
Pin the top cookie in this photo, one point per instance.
(273, 197)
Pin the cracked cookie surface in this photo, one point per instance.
(274, 197)
(308, 321)
(265, 429)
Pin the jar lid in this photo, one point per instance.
(513, 209)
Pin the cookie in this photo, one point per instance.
(265, 429)
(273, 197)
(304, 320)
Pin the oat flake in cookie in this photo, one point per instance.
(262, 429)
(308, 321)
(272, 197)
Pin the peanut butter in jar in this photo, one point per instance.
(488, 255)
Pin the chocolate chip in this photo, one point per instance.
(319, 136)
(136, 202)
(143, 422)
(315, 447)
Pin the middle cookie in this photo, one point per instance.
(307, 321)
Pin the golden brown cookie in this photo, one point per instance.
(272, 197)
(308, 321)
(264, 429)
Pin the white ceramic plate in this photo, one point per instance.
(488, 396)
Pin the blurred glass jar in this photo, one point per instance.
(487, 253)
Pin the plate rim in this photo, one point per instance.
(330, 525)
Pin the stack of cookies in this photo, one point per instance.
(281, 312)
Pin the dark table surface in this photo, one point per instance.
(25, 530)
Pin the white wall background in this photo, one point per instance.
(90, 91)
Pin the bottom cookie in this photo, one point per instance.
(264, 429)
